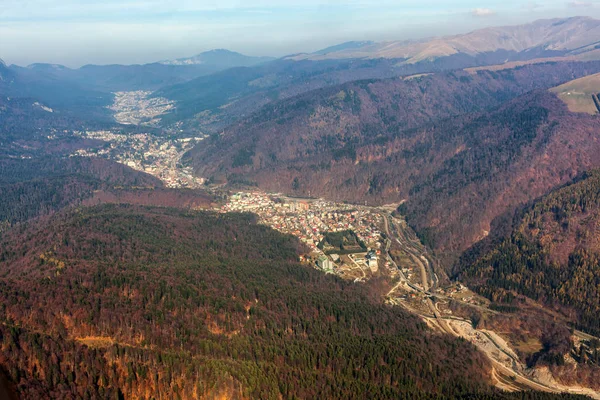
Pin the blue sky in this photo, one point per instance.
(77, 32)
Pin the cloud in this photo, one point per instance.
(580, 4)
(483, 12)
(532, 5)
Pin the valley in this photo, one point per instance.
(407, 266)
(389, 250)
(414, 279)
(404, 219)
(137, 108)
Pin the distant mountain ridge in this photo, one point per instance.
(220, 57)
(211, 103)
(546, 37)
(37, 78)
(344, 46)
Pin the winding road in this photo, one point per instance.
(513, 378)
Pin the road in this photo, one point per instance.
(411, 245)
(512, 378)
(358, 267)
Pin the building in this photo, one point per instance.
(372, 260)
(325, 263)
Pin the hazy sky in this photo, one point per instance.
(77, 32)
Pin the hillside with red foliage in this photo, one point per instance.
(136, 302)
(461, 149)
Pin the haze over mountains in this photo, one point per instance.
(165, 228)
(572, 36)
(204, 89)
(220, 58)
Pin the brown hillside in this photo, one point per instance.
(385, 141)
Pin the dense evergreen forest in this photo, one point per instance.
(34, 187)
(133, 302)
(552, 255)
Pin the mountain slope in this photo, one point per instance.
(212, 102)
(581, 95)
(34, 187)
(30, 127)
(5, 73)
(518, 153)
(385, 141)
(71, 98)
(553, 37)
(343, 46)
(143, 302)
(552, 254)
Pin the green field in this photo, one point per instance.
(344, 242)
(577, 94)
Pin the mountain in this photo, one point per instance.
(552, 37)
(552, 254)
(220, 58)
(134, 302)
(343, 47)
(5, 73)
(460, 148)
(211, 103)
(31, 188)
(114, 78)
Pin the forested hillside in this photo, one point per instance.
(459, 147)
(129, 302)
(149, 302)
(30, 127)
(28, 119)
(553, 255)
(33, 187)
(214, 102)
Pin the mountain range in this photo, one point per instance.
(427, 140)
(473, 160)
(212, 102)
(218, 87)
(220, 58)
(552, 37)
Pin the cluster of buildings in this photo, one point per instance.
(310, 219)
(138, 108)
(157, 156)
